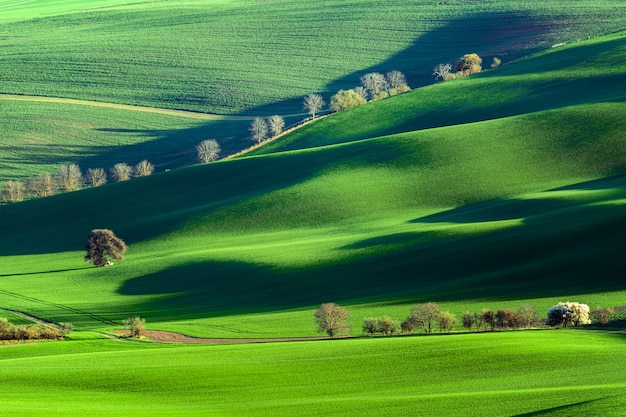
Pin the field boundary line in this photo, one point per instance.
(117, 106)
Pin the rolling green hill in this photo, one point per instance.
(488, 192)
(581, 73)
(244, 57)
(497, 374)
(517, 208)
(261, 57)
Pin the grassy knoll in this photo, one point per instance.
(261, 57)
(497, 374)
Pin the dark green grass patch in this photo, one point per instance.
(475, 375)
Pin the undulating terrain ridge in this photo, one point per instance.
(500, 189)
(232, 57)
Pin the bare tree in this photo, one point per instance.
(313, 103)
(13, 192)
(528, 314)
(396, 79)
(102, 245)
(136, 325)
(387, 326)
(425, 315)
(69, 177)
(441, 71)
(360, 90)
(96, 177)
(446, 321)
(332, 319)
(143, 169)
(41, 186)
(121, 171)
(276, 125)
(375, 83)
(370, 325)
(208, 150)
(345, 99)
(258, 130)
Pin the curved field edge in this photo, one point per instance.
(506, 373)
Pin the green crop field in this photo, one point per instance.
(492, 191)
(230, 57)
(500, 211)
(41, 134)
(498, 374)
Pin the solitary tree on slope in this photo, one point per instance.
(102, 246)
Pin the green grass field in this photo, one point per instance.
(499, 212)
(223, 56)
(498, 374)
(43, 134)
(229, 57)
(488, 192)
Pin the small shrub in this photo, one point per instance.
(399, 90)
(446, 321)
(380, 96)
(136, 325)
(387, 326)
(468, 320)
(408, 325)
(370, 326)
(489, 317)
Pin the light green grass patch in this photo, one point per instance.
(506, 373)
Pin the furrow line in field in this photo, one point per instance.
(59, 306)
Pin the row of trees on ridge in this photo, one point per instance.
(374, 86)
(70, 178)
(333, 319)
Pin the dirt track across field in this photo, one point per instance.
(171, 337)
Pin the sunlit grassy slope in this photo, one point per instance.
(226, 56)
(499, 374)
(527, 207)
